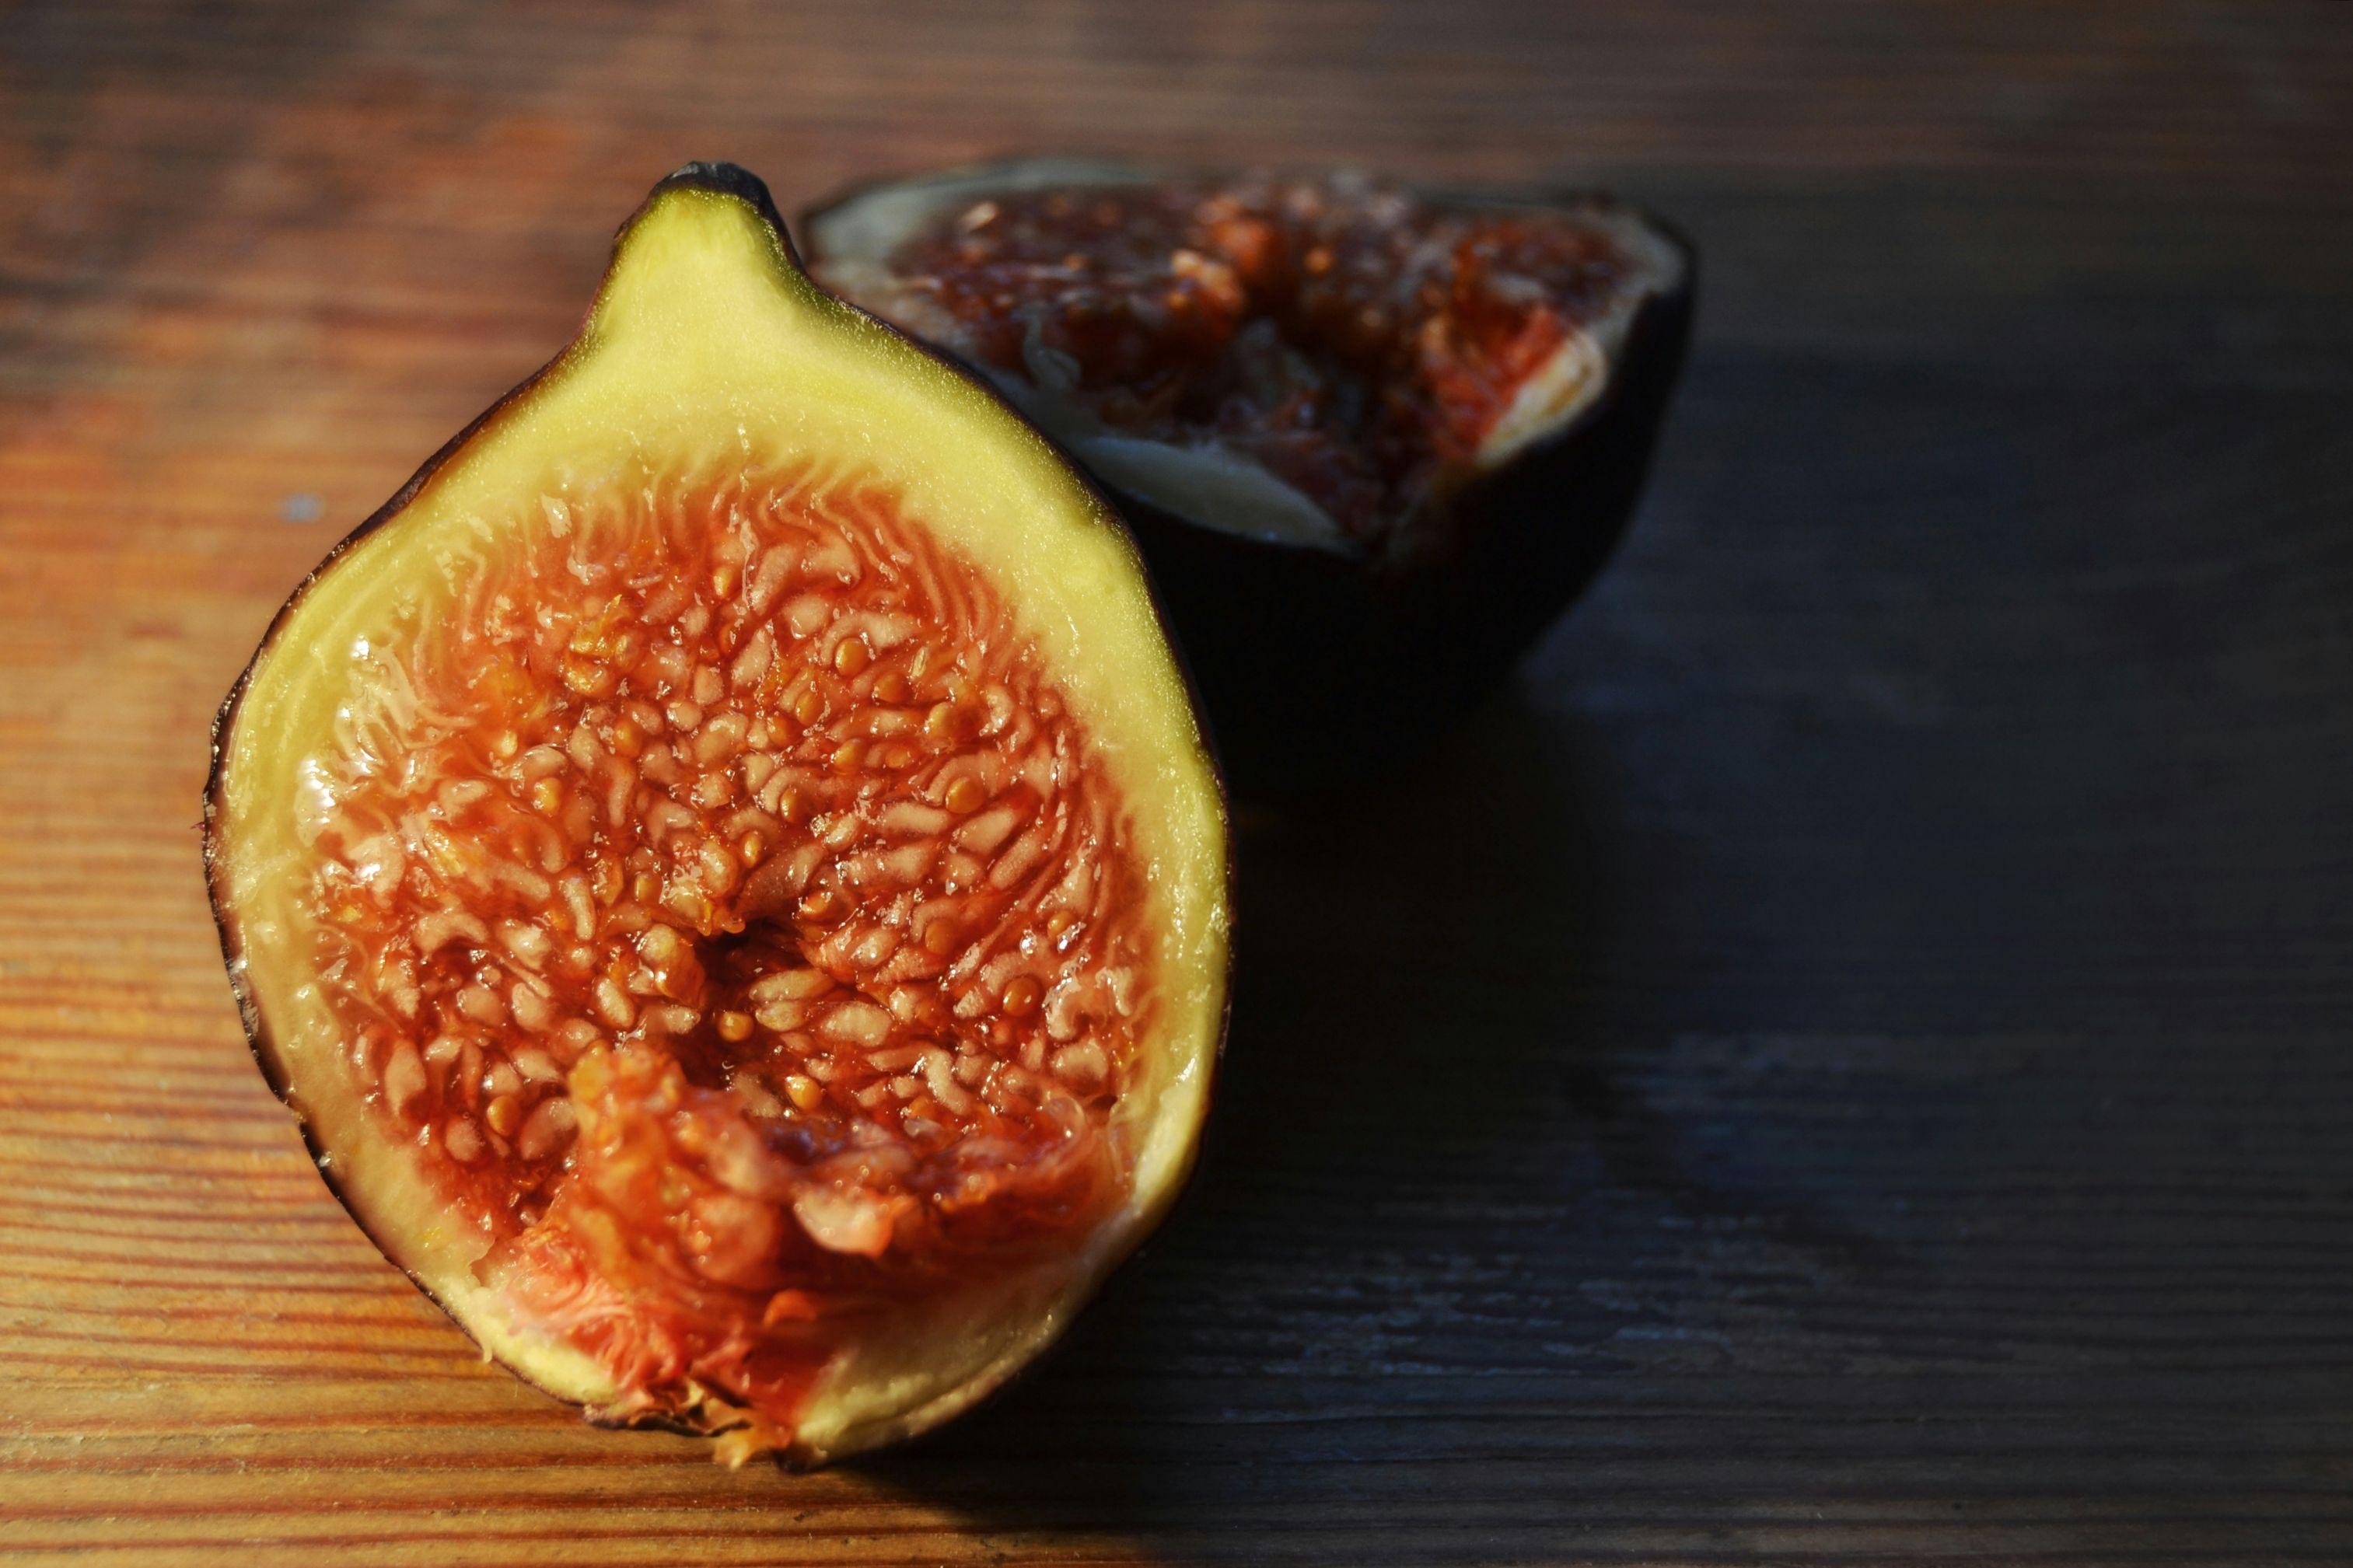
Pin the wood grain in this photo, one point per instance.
(1847, 1064)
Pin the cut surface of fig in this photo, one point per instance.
(726, 868)
(1372, 438)
(1315, 360)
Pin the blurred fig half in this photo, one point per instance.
(1371, 438)
(725, 867)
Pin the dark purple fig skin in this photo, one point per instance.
(1317, 669)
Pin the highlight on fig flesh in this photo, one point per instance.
(725, 867)
(1372, 438)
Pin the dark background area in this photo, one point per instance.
(1847, 1061)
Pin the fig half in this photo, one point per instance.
(1371, 438)
(725, 867)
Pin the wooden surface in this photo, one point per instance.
(1851, 1061)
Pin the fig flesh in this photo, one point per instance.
(725, 867)
(1371, 438)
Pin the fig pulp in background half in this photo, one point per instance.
(725, 867)
(1371, 439)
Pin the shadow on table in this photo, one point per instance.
(1418, 1040)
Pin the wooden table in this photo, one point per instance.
(1851, 1061)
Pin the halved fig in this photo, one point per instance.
(1370, 439)
(725, 867)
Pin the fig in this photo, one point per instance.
(725, 867)
(1371, 438)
